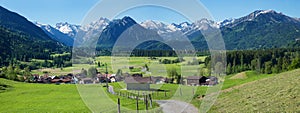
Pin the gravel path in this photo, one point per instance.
(174, 106)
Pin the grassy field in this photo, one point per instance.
(26, 97)
(123, 63)
(76, 68)
(254, 93)
(248, 91)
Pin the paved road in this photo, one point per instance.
(174, 106)
(111, 89)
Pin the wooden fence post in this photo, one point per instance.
(119, 108)
(145, 97)
(137, 104)
(146, 100)
(180, 92)
(150, 100)
(193, 90)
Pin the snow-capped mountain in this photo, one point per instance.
(160, 27)
(185, 28)
(67, 28)
(261, 16)
(94, 29)
(55, 34)
(225, 22)
(113, 30)
(163, 28)
(99, 24)
(261, 28)
(106, 30)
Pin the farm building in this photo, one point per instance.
(202, 80)
(196, 80)
(142, 83)
(137, 83)
(157, 80)
(211, 80)
(86, 81)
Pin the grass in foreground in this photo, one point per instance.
(26, 97)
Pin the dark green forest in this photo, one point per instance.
(262, 61)
(14, 48)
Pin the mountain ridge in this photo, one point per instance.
(259, 29)
(228, 27)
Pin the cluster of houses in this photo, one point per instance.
(100, 78)
(69, 78)
(75, 79)
(133, 81)
(143, 83)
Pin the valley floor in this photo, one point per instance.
(254, 93)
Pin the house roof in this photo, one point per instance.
(194, 77)
(86, 79)
(108, 75)
(212, 78)
(137, 80)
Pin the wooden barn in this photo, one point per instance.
(138, 83)
(202, 80)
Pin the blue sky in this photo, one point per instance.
(73, 11)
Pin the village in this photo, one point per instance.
(136, 81)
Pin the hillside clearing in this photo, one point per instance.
(241, 75)
(273, 94)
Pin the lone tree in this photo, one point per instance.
(11, 74)
(147, 68)
(174, 75)
(219, 68)
(92, 72)
(83, 72)
(99, 64)
(119, 72)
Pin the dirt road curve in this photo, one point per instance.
(174, 106)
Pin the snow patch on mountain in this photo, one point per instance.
(264, 12)
(158, 26)
(67, 28)
(55, 34)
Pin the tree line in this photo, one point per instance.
(262, 61)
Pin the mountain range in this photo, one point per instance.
(259, 29)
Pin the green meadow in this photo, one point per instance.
(28, 97)
(249, 90)
(123, 63)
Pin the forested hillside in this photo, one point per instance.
(263, 61)
(21, 40)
